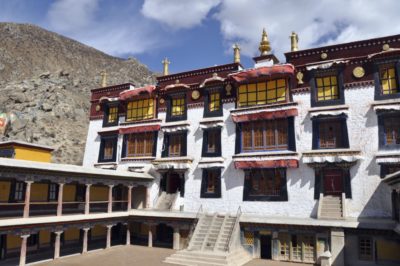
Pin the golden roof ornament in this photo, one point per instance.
(165, 63)
(264, 47)
(103, 75)
(294, 40)
(236, 53)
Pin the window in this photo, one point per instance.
(387, 169)
(272, 91)
(212, 142)
(213, 103)
(365, 248)
(139, 145)
(32, 240)
(140, 110)
(389, 130)
(174, 144)
(211, 183)
(332, 180)
(265, 184)
(284, 246)
(265, 135)
(330, 133)
(108, 149)
(176, 108)
(19, 191)
(53, 192)
(327, 88)
(388, 80)
(110, 115)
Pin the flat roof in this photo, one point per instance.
(26, 144)
(76, 170)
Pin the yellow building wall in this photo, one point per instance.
(98, 193)
(44, 237)
(5, 187)
(99, 231)
(69, 193)
(13, 241)
(32, 154)
(71, 234)
(39, 192)
(388, 250)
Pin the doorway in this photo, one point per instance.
(2, 246)
(265, 245)
(171, 182)
(164, 235)
(333, 182)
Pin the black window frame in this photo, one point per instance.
(377, 79)
(381, 130)
(22, 188)
(207, 94)
(166, 142)
(204, 183)
(107, 107)
(342, 119)
(338, 72)
(385, 169)
(169, 99)
(125, 142)
(218, 148)
(33, 240)
(52, 190)
(360, 256)
(103, 139)
(247, 183)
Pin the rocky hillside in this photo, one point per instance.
(45, 83)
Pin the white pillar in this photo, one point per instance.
(60, 199)
(128, 235)
(27, 198)
(22, 257)
(108, 245)
(57, 244)
(176, 238)
(337, 246)
(85, 240)
(110, 189)
(87, 199)
(150, 240)
(129, 198)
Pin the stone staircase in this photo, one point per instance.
(165, 201)
(209, 244)
(331, 207)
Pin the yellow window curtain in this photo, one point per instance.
(140, 109)
(260, 93)
(388, 81)
(327, 88)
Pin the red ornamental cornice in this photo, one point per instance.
(139, 129)
(281, 163)
(264, 115)
(275, 71)
(127, 94)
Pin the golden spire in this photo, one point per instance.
(103, 75)
(294, 39)
(264, 44)
(165, 63)
(236, 53)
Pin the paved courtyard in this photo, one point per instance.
(134, 255)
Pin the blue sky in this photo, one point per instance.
(196, 34)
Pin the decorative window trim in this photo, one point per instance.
(151, 103)
(344, 137)
(114, 138)
(107, 107)
(204, 183)
(170, 117)
(338, 72)
(218, 145)
(207, 112)
(124, 154)
(166, 143)
(381, 130)
(377, 79)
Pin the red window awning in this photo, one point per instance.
(275, 71)
(281, 163)
(135, 92)
(264, 115)
(139, 129)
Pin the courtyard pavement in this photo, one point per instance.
(134, 255)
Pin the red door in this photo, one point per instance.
(333, 182)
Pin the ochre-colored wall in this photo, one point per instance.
(32, 154)
(98, 193)
(69, 193)
(99, 231)
(13, 242)
(44, 237)
(39, 192)
(388, 250)
(5, 187)
(71, 234)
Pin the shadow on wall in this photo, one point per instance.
(379, 204)
(371, 118)
(373, 168)
(233, 177)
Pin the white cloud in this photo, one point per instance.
(178, 14)
(318, 23)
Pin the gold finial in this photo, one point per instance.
(165, 63)
(236, 53)
(264, 44)
(294, 39)
(103, 75)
